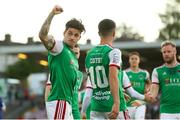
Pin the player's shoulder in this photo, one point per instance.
(115, 50)
(177, 65)
(115, 53)
(58, 48)
(127, 70)
(143, 70)
(92, 49)
(159, 67)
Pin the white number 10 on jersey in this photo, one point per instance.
(98, 77)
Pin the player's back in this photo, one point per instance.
(97, 64)
(98, 56)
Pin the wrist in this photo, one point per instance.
(52, 13)
(116, 102)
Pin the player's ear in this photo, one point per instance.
(114, 33)
(99, 33)
(64, 32)
(175, 51)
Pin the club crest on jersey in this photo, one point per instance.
(130, 76)
(141, 77)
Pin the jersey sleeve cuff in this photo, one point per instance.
(48, 84)
(89, 87)
(127, 87)
(115, 65)
(155, 83)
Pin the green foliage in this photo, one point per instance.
(171, 21)
(22, 68)
(125, 33)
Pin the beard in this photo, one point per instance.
(168, 60)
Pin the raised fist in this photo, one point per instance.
(57, 9)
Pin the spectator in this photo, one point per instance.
(2, 108)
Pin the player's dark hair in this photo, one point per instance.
(106, 27)
(134, 53)
(76, 24)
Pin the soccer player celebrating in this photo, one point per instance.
(75, 102)
(166, 78)
(63, 66)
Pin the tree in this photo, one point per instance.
(22, 68)
(171, 21)
(125, 33)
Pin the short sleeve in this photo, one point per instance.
(58, 47)
(48, 81)
(155, 76)
(115, 58)
(126, 81)
(147, 75)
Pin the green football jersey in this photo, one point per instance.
(168, 79)
(138, 81)
(75, 102)
(122, 100)
(75, 106)
(97, 63)
(63, 69)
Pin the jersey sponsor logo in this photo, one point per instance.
(172, 81)
(136, 84)
(102, 95)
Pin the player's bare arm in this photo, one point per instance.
(147, 86)
(48, 40)
(47, 91)
(153, 92)
(114, 87)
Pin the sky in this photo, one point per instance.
(23, 18)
